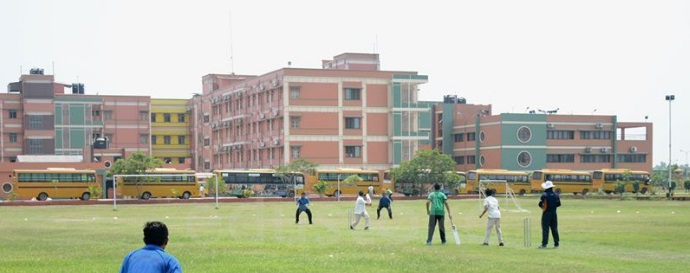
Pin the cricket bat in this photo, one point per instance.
(455, 233)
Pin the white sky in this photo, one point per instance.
(615, 57)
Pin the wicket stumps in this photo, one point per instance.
(527, 227)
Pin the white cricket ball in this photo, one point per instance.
(26, 219)
(673, 212)
(166, 217)
(618, 211)
(115, 218)
(329, 215)
(637, 212)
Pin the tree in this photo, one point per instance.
(211, 186)
(427, 166)
(289, 171)
(138, 163)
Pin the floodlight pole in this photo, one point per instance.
(670, 99)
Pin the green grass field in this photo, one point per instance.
(645, 236)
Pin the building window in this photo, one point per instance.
(13, 159)
(560, 158)
(180, 160)
(35, 122)
(13, 113)
(353, 151)
(143, 115)
(143, 138)
(13, 137)
(153, 117)
(207, 118)
(524, 159)
(599, 158)
(353, 123)
(482, 136)
(471, 159)
(560, 134)
(166, 140)
(207, 142)
(460, 160)
(294, 92)
(35, 146)
(482, 160)
(294, 122)
(95, 113)
(295, 151)
(632, 158)
(595, 135)
(166, 117)
(154, 139)
(352, 93)
(181, 140)
(471, 136)
(524, 134)
(180, 118)
(459, 138)
(108, 115)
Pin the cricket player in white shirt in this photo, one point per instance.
(360, 210)
(491, 205)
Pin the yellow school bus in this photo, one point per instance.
(606, 180)
(498, 179)
(160, 182)
(335, 178)
(564, 180)
(53, 183)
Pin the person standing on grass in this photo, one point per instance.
(201, 190)
(360, 211)
(303, 205)
(435, 204)
(491, 205)
(152, 258)
(549, 202)
(384, 202)
(367, 199)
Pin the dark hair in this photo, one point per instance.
(361, 193)
(489, 192)
(155, 233)
(437, 186)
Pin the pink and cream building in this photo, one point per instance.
(347, 114)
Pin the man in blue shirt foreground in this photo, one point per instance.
(152, 257)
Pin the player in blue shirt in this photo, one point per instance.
(152, 257)
(303, 205)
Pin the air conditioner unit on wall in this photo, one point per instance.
(599, 125)
(276, 141)
(550, 125)
(605, 150)
(633, 149)
(275, 113)
(588, 149)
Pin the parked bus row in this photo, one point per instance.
(165, 182)
(565, 181)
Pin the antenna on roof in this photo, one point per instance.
(232, 61)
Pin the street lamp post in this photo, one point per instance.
(670, 99)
